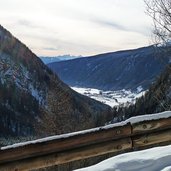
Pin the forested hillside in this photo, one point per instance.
(34, 102)
(156, 99)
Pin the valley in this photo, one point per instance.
(114, 71)
(111, 98)
(82, 81)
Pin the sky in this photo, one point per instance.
(77, 27)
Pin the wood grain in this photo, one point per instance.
(76, 141)
(68, 156)
(152, 138)
(149, 126)
(141, 135)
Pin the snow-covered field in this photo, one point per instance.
(111, 98)
(154, 159)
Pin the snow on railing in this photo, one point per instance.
(139, 132)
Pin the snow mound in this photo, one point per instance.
(154, 159)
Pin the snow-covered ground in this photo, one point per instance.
(111, 98)
(154, 159)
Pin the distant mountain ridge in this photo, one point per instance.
(48, 59)
(34, 101)
(127, 69)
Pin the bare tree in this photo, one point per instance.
(160, 11)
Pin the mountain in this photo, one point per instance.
(34, 101)
(48, 59)
(156, 99)
(113, 71)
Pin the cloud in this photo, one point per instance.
(50, 48)
(108, 23)
(27, 23)
(92, 17)
(80, 27)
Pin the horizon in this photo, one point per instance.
(81, 27)
(121, 50)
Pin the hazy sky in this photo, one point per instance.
(77, 27)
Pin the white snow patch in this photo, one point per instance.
(154, 159)
(111, 98)
(139, 89)
(166, 114)
(148, 117)
(35, 93)
(168, 168)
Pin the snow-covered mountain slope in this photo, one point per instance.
(34, 101)
(111, 98)
(48, 59)
(156, 99)
(154, 159)
(114, 71)
(18, 74)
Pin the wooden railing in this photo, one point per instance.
(133, 134)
